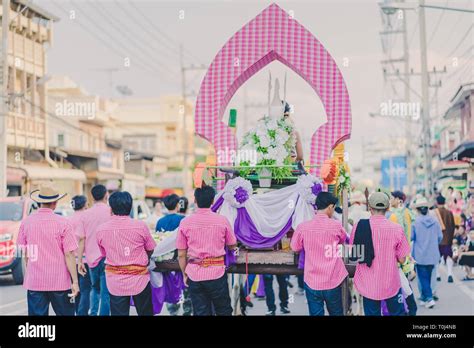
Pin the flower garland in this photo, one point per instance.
(329, 171)
(237, 191)
(309, 188)
(272, 140)
(343, 180)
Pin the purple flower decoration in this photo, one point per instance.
(316, 189)
(241, 195)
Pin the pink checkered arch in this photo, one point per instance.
(273, 35)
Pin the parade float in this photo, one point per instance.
(266, 200)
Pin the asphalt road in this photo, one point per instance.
(454, 298)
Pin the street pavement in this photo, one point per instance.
(454, 298)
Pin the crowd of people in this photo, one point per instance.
(96, 261)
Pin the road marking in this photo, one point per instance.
(12, 303)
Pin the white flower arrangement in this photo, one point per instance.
(343, 180)
(305, 187)
(230, 190)
(159, 237)
(273, 140)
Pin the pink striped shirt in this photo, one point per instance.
(323, 265)
(382, 279)
(91, 220)
(124, 241)
(204, 234)
(46, 237)
(76, 224)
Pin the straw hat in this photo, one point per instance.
(357, 197)
(46, 194)
(421, 202)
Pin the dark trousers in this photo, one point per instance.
(424, 275)
(120, 305)
(282, 292)
(38, 302)
(83, 300)
(99, 291)
(317, 299)
(300, 278)
(173, 308)
(395, 306)
(411, 304)
(210, 296)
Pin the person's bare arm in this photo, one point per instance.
(71, 267)
(80, 264)
(183, 262)
(299, 147)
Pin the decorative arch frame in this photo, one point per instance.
(273, 35)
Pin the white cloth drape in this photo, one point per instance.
(271, 211)
(167, 245)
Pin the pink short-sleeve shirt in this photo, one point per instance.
(320, 238)
(123, 242)
(45, 237)
(92, 218)
(381, 280)
(204, 234)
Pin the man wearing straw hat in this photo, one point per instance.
(48, 276)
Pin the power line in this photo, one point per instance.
(461, 41)
(437, 25)
(163, 34)
(145, 30)
(147, 61)
(107, 44)
(118, 27)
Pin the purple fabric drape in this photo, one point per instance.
(217, 204)
(247, 233)
(170, 292)
(229, 258)
(301, 260)
(261, 286)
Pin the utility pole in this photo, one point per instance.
(4, 97)
(406, 68)
(187, 188)
(425, 101)
(186, 178)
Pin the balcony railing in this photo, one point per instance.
(25, 131)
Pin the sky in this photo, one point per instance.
(139, 41)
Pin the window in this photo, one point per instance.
(61, 139)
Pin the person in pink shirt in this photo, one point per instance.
(49, 246)
(127, 245)
(201, 241)
(379, 245)
(98, 214)
(79, 203)
(324, 270)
